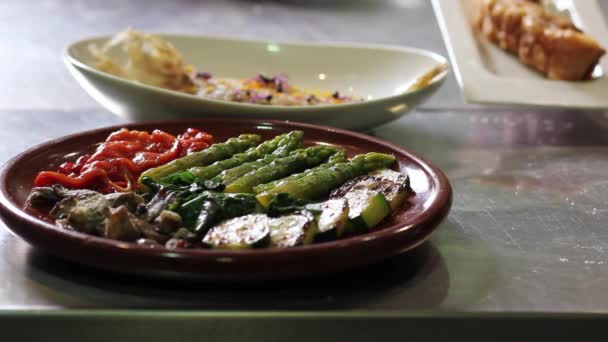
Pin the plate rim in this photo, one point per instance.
(438, 211)
(479, 85)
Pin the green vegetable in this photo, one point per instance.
(250, 231)
(288, 146)
(209, 208)
(366, 209)
(292, 230)
(331, 216)
(180, 178)
(205, 157)
(338, 157)
(285, 204)
(395, 186)
(282, 167)
(331, 220)
(321, 182)
(291, 140)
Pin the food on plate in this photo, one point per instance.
(249, 231)
(289, 143)
(333, 218)
(338, 157)
(296, 161)
(541, 39)
(321, 181)
(277, 147)
(238, 194)
(122, 157)
(217, 152)
(148, 59)
(373, 197)
(144, 58)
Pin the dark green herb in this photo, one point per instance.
(284, 203)
(208, 208)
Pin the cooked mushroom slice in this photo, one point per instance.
(249, 231)
(148, 230)
(157, 204)
(168, 222)
(63, 192)
(121, 226)
(42, 196)
(129, 199)
(292, 230)
(84, 212)
(49, 195)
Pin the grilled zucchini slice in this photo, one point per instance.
(331, 220)
(292, 230)
(249, 231)
(394, 185)
(366, 209)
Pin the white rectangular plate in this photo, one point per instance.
(487, 74)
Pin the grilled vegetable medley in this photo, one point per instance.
(238, 194)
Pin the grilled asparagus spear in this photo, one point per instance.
(292, 140)
(210, 155)
(339, 157)
(230, 175)
(321, 182)
(282, 167)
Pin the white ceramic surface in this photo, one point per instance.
(381, 74)
(490, 75)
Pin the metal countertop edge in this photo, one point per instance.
(285, 314)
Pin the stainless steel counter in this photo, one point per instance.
(527, 230)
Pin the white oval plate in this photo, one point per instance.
(381, 74)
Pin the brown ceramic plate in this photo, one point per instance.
(405, 230)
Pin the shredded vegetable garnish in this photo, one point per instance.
(144, 58)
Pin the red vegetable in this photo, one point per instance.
(118, 162)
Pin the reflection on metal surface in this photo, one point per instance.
(414, 280)
(531, 189)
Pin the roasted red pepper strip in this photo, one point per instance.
(118, 162)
